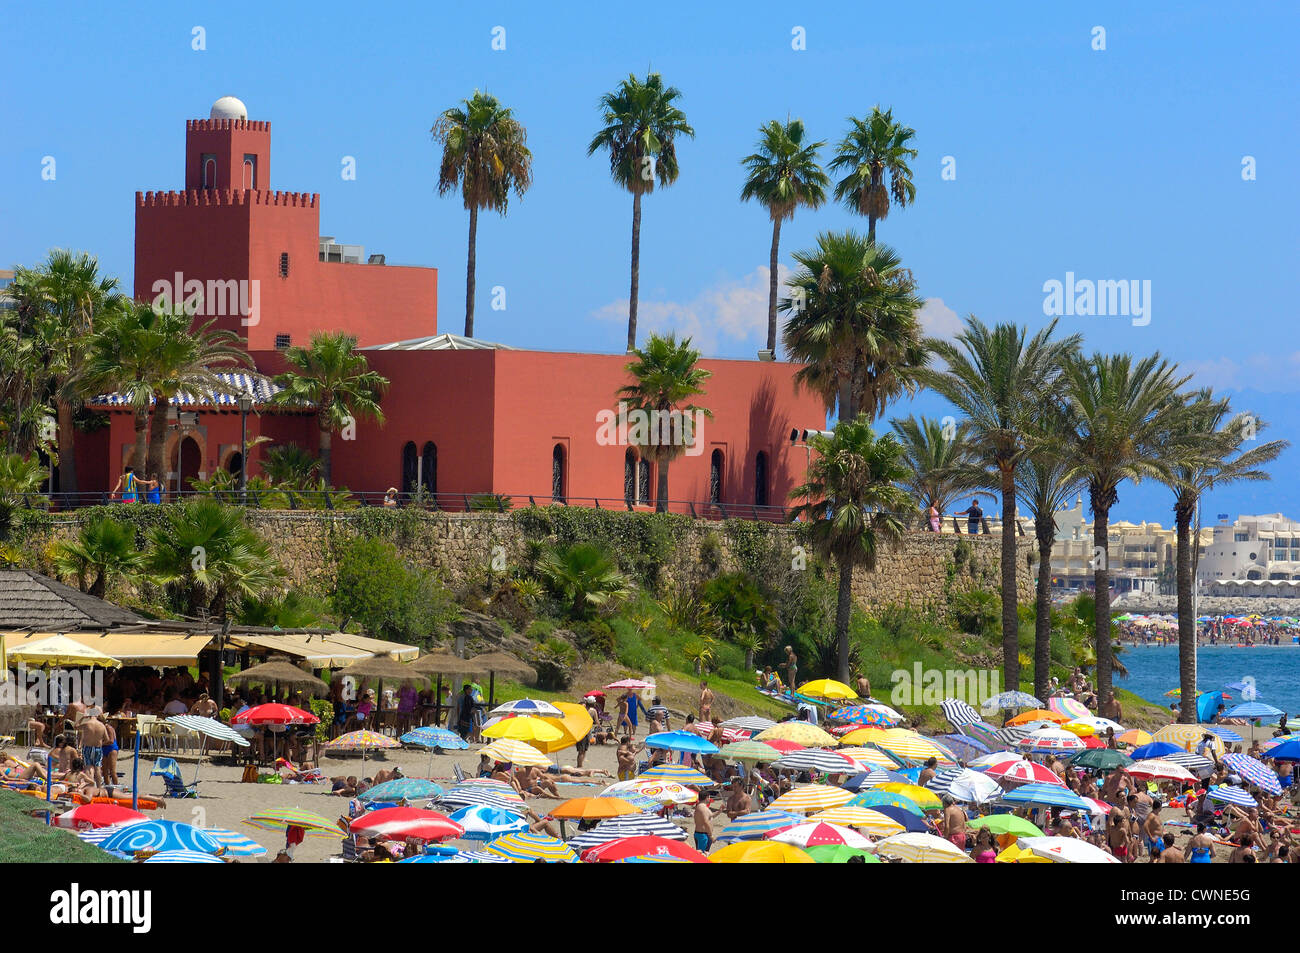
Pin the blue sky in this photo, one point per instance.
(1122, 163)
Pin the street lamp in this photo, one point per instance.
(245, 405)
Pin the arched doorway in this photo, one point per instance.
(557, 474)
(410, 467)
(760, 479)
(715, 477)
(429, 469)
(189, 462)
(235, 463)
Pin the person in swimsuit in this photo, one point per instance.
(110, 750)
(1171, 854)
(933, 514)
(128, 485)
(985, 848)
(1201, 846)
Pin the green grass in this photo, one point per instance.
(27, 840)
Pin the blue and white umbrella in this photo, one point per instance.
(431, 737)
(1256, 772)
(965, 747)
(209, 727)
(958, 712)
(878, 776)
(487, 823)
(159, 835)
(1227, 734)
(1050, 795)
(260, 388)
(528, 706)
(457, 857)
(235, 844)
(983, 732)
(757, 825)
(464, 796)
(963, 784)
(681, 741)
(628, 825)
(754, 723)
(1200, 766)
(402, 789)
(1228, 794)
(1008, 700)
(1254, 710)
(817, 759)
(183, 857)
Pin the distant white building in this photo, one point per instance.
(1261, 549)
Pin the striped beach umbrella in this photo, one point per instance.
(1188, 737)
(1024, 772)
(183, 857)
(925, 799)
(209, 727)
(913, 747)
(749, 751)
(512, 751)
(1050, 795)
(431, 737)
(749, 723)
(810, 798)
(964, 747)
(158, 835)
(456, 857)
(756, 825)
(876, 799)
(1254, 710)
(1070, 708)
(817, 759)
(528, 706)
(526, 847)
(1195, 763)
(958, 712)
(984, 733)
(873, 778)
(234, 844)
(681, 773)
(861, 818)
(402, 789)
(483, 797)
(1050, 740)
(918, 848)
(1229, 794)
(1009, 700)
(964, 784)
(1227, 734)
(870, 757)
(1256, 772)
(1157, 770)
(820, 834)
(996, 758)
(705, 728)
(629, 825)
(800, 732)
(282, 818)
(487, 823)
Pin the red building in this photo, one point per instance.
(463, 417)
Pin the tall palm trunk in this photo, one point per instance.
(155, 468)
(772, 288)
(67, 449)
(843, 612)
(661, 487)
(138, 456)
(1101, 582)
(1186, 619)
(636, 271)
(326, 467)
(1010, 605)
(1045, 532)
(470, 262)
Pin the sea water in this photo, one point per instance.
(1274, 669)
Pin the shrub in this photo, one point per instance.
(390, 599)
(978, 611)
(555, 661)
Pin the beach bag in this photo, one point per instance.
(250, 774)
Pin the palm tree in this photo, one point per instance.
(207, 557)
(999, 380)
(875, 148)
(103, 548)
(289, 464)
(665, 374)
(853, 321)
(1202, 452)
(485, 155)
(1121, 410)
(584, 577)
(74, 295)
(783, 174)
(333, 377)
(1045, 480)
(19, 476)
(22, 363)
(641, 124)
(854, 508)
(940, 462)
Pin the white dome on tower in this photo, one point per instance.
(228, 107)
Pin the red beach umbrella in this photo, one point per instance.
(399, 823)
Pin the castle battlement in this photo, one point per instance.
(197, 197)
(217, 125)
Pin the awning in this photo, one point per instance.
(321, 651)
(398, 650)
(131, 648)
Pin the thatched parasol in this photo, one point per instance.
(499, 663)
(444, 663)
(385, 669)
(279, 671)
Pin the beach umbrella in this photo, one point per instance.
(97, 815)
(399, 823)
(1256, 772)
(965, 784)
(839, 854)
(1066, 850)
(524, 728)
(274, 714)
(919, 848)
(208, 727)
(866, 715)
(183, 857)
(877, 799)
(827, 689)
(510, 751)
(1071, 708)
(1254, 710)
(809, 798)
(636, 684)
(1050, 740)
(706, 728)
(1050, 795)
(871, 757)
(1158, 770)
(1008, 700)
(282, 818)
(574, 724)
(662, 792)
(817, 759)
(925, 799)
(1097, 808)
(362, 741)
(624, 826)
(1199, 766)
(1101, 759)
(759, 852)
(1037, 714)
(904, 818)
(1013, 853)
(642, 847)
(1024, 772)
(440, 854)
(1287, 750)
(434, 738)
(783, 746)
(1006, 824)
(1154, 749)
(461, 796)
(984, 733)
(1227, 734)
(756, 825)
(861, 818)
(995, 759)
(867, 735)
(916, 749)
(528, 706)
(749, 723)
(1134, 736)
(654, 859)
(681, 741)
(875, 777)
(800, 732)
(1188, 737)
(1229, 794)
(402, 789)
(234, 844)
(592, 808)
(966, 748)
(819, 834)
(958, 712)
(526, 847)
(749, 751)
(1093, 726)
(156, 835)
(487, 823)
(681, 773)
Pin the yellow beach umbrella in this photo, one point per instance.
(863, 736)
(863, 818)
(60, 651)
(920, 848)
(1015, 854)
(512, 751)
(924, 797)
(800, 732)
(1188, 737)
(1079, 728)
(524, 728)
(910, 745)
(760, 852)
(808, 798)
(573, 727)
(828, 689)
(870, 757)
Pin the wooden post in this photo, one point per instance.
(492, 690)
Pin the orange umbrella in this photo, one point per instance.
(1039, 714)
(592, 808)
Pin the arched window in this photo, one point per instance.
(557, 473)
(410, 468)
(250, 171)
(629, 476)
(429, 468)
(209, 171)
(760, 479)
(715, 477)
(643, 481)
(235, 463)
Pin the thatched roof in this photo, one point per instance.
(29, 600)
(502, 664)
(278, 672)
(444, 663)
(385, 669)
